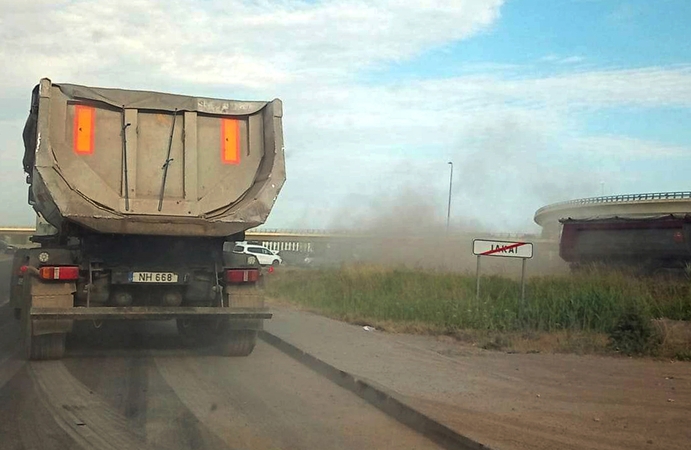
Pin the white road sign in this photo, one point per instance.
(506, 249)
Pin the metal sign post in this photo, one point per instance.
(505, 249)
(522, 282)
(477, 278)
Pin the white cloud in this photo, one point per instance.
(571, 60)
(440, 111)
(500, 132)
(549, 58)
(226, 42)
(447, 113)
(510, 134)
(288, 48)
(552, 58)
(623, 148)
(646, 87)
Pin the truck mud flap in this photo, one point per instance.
(147, 313)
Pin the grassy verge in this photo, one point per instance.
(587, 310)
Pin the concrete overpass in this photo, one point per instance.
(305, 240)
(627, 205)
(340, 243)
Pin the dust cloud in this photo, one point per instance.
(508, 168)
(409, 230)
(504, 170)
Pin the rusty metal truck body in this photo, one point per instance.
(140, 197)
(651, 243)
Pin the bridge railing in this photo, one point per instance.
(284, 231)
(624, 198)
(355, 233)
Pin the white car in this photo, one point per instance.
(265, 256)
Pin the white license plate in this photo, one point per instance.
(153, 277)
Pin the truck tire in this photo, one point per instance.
(46, 346)
(215, 333)
(237, 342)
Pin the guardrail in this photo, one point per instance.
(624, 198)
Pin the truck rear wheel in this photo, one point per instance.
(46, 346)
(215, 333)
(237, 342)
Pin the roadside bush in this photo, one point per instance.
(633, 334)
(499, 342)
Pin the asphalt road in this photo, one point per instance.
(134, 386)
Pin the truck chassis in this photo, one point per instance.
(49, 296)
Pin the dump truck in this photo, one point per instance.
(140, 197)
(652, 244)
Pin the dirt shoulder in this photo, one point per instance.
(510, 401)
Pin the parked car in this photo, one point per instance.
(265, 256)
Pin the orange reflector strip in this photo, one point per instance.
(84, 129)
(230, 141)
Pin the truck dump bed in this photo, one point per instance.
(663, 240)
(134, 162)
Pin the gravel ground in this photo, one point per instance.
(510, 401)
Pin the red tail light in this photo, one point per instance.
(678, 236)
(242, 275)
(62, 273)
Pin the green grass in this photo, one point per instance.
(590, 301)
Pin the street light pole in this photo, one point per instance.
(448, 209)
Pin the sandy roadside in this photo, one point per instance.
(511, 401)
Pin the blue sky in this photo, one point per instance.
(529, 33)
(534, 101)
(540, 39)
